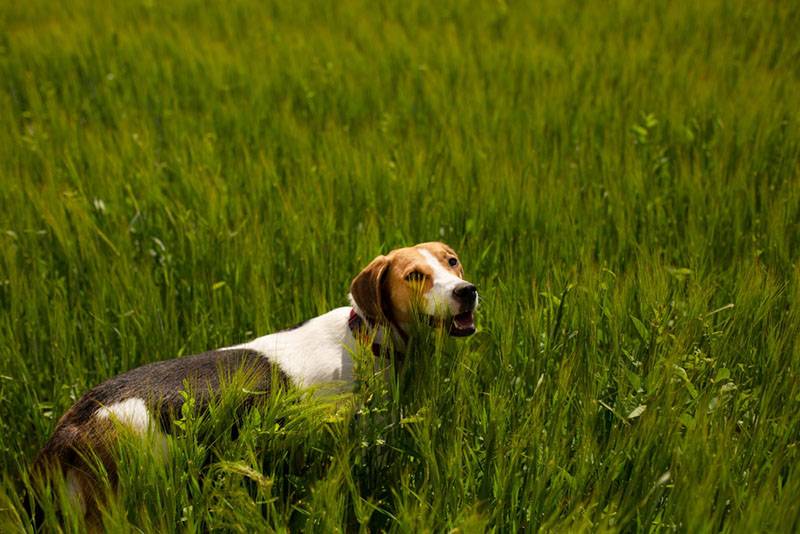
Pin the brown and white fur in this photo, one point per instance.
(423, 280)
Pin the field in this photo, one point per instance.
(621, 181)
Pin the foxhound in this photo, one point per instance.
(426, 280)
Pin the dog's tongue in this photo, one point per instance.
(464, 320)
(462, 325)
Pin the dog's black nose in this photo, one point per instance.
(466, 293)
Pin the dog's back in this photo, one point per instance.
(145, 401)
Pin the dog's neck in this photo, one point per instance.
(379, 334)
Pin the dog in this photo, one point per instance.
(425, 280)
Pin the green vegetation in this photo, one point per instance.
(620, 180)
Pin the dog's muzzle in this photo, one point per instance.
(463, 323)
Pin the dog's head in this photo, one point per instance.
(426, 280)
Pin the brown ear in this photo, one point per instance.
(367, 289)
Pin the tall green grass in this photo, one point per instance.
(620, 180)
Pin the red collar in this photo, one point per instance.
(355, 322)
(360, 329)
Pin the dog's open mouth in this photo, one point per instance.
(460, 325)
(463, 324)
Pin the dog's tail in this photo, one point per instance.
(61, 466)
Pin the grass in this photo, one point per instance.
(620, 180)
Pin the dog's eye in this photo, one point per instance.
(415, 276)
(453, 262)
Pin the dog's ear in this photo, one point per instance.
(368, 290)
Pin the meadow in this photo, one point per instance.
(621, 181)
